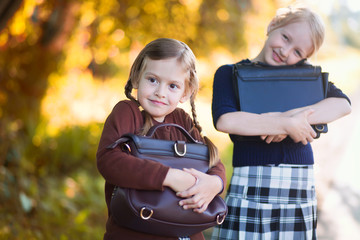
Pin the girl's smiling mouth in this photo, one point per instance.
(276, 57)
(155, 102)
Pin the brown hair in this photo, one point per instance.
(164, 48)
(297, 13)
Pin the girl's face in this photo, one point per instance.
(161, 87)
(288, 44)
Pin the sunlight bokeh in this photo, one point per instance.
(66, 66)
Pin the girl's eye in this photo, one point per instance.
(285, 37)
(152, 80)
(173, 86)
(298, 53)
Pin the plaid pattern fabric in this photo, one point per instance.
(270, 202)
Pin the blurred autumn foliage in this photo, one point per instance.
(49, 184)
(63, 67)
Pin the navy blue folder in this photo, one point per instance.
(263, 88)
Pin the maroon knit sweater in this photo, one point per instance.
(124, 170)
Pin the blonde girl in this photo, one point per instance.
(164, 75)
(272, 192)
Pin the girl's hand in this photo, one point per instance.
(274, 138)
(299, 129)
(179, 180)
(202, 193)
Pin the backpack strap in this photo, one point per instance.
(235, 68)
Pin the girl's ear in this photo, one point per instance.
(270, 27)
(185, 97)
(135, 84)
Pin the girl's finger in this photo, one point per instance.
(189, 192)
(190, 206)
(202, 209)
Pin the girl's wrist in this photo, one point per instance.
(169, 178)
(221, 183)
(179, 180)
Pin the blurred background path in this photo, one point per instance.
(337, 167)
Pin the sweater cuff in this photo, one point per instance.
(222, 184)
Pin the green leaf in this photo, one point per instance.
(26, 202)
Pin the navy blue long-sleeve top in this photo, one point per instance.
(254, 153)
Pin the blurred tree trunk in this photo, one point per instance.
(7, 10)
(25, 69)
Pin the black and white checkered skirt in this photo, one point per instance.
(270, 202)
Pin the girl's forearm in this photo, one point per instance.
(295, 123)
(325, 111)
(179, 180)
(250, 124)
(247, 124)
(329, 110)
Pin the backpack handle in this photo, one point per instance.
(153, 129)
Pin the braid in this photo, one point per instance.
(213, 152)
(193, 112)
(128, 90)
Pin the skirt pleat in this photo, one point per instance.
(270, 203)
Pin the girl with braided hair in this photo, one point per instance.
(164, 75)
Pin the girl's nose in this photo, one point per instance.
(160, 92)
(284, 52)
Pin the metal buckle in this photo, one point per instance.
(180, 154)
(320, 128)
(220, 219)
(126, 148)
(143, 212)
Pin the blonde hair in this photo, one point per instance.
(164, 48)
(296, 13)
